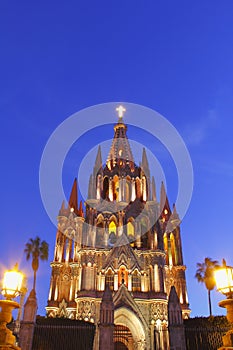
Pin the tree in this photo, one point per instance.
(205, 274)
(37, 250)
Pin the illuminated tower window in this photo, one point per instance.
(105, 188)
(109, 279)
(130, 232)
(112, 233)
(136, 281)
(115, 188)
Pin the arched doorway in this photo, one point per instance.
(128, 323)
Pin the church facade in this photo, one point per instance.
(116, 261)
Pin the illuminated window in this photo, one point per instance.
(105, 188)
(165, 247)
(109, 279)
(123, 276)
(112, 233)
(136, 281)
(173, 249)
(115, 188)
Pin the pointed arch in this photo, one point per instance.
(138, 188)
(98, 186)
(105, 192)
(115, 188)
(144, 188)
(125, 317)
(131, 230)
(165, 243)
(100, 230)
(112, 230)
(127, 189)
(173, 249)
(136, 281)
(122, 276)
(109, 278)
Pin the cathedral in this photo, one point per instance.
(118, 262)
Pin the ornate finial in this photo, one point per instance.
(120, 111)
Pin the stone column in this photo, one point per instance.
(106, 325)
(175, 322)
(29, 321)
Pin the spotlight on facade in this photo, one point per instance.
(224, 284)
(12, 283)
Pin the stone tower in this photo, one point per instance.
(126, 240)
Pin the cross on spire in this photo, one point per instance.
(120, 111)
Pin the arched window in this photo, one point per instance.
(144, 189)
(173, 249)
(138, 188)
(115, 189)
(123, 276)
(130, 229)
(105, 193)
(136, 281)
(165, 247)
(109, 279)
(100, 233)
(130, 232)
(127, 189)
(112, 233)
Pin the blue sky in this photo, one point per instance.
(175, 57)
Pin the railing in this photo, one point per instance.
(205, 334)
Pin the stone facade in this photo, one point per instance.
(125, 240)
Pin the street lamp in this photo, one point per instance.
(224, 284)
(12, 283)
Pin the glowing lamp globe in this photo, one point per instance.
(224, 280)
(12, 283)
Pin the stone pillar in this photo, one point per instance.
(106, 325)
(175, 322)
(28, 323)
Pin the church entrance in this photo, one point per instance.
(122, 337)
(128, 330)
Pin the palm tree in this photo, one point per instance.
(205, 274)
(37, 250)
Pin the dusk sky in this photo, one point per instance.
(175, 57)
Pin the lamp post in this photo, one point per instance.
(12, 283)
(224, 284)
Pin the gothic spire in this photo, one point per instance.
(90, 187)
(63, 208)
(98, 162)
(81, 209)
(164, 204)
(153, 189)
(145, 164)
(120, 148)
(73, 201)
(175, 215)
